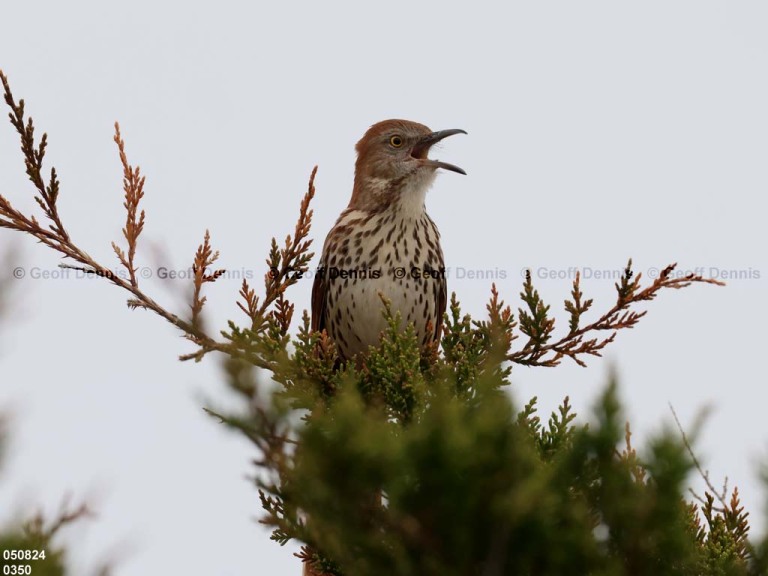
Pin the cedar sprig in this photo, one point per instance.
(730, 519)
(133, 185)
(501, 322)
(316, 564)
(736, 519)
(529, 420)
(205, 257)
(629, 456)
(289, 264)
(286, 266)
(282, 521)
(492, 339)
(575, 307)
(465, 346)
(472, 347)
(627, 287)
(316, 359)
(54, 235)
(47, 194)
(283, 313)
(271, 317)
(558, 433)
(536, 324)
(250, 303)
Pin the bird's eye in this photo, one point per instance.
(396, 141)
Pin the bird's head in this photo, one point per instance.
(393, 164)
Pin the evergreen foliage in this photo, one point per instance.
(403, 467)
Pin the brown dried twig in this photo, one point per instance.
(47, 194)
(535, 322)
(286, 265)
(204, 259)
(55, 236)
(133, 184)
(36, 527)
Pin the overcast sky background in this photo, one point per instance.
(597, 131)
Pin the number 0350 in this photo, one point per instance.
(14, 569)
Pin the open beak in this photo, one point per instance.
(421, 149)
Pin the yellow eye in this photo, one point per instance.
(396, 141)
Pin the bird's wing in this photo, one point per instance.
(441, 303)
(319, 298)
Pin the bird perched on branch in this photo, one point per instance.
(384, 244)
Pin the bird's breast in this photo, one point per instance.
(368, 258)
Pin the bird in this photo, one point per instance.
(384, 245)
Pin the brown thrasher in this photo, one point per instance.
(384, 243)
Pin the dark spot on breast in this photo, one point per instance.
(417, 237)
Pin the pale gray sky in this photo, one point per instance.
(597, 131)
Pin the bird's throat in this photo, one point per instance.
(410, 198)
(405, 195)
